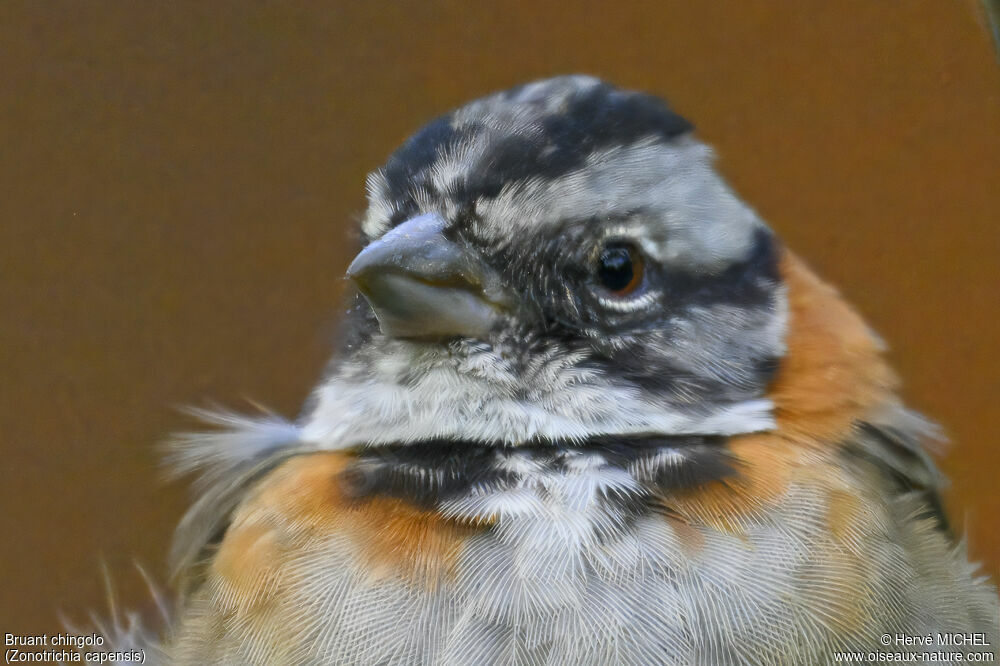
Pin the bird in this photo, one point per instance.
(585, 407)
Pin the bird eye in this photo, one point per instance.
(619, 268)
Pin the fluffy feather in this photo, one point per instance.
(714, 470)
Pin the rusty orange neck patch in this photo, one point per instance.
(300, 505)
(832, 375)
(833, 371)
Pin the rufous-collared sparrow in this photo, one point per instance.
(586, 410)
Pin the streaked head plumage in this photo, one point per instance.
(555, 242)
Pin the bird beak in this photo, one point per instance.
(423, 285)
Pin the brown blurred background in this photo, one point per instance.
(178, 183)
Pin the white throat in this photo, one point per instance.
(416, 392)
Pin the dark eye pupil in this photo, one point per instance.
(614, 267)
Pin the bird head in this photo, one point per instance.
(556, 261)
